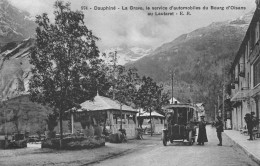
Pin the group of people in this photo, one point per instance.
(202, 136)
(251, 122)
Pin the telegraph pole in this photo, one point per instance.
(223, 106)
(218, 105)
(172, 87)
(114, 69)
(215, 112)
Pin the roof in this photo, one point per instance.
(200, 104)
(153, 114)
(180, 105)
(103, 103)
(174, 100)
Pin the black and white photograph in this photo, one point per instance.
(129, 82)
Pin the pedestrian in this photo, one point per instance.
(219, 128)
(202, 137)
(250, 125)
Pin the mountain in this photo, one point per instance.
(15, 24)
(127, 55)
(15, 68)
(199, 60)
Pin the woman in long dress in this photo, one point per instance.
(202, 137)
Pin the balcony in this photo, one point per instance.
(245, 88)
(241, 72)
(235, 81)
(232, 85)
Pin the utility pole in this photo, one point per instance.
(114, 59)
(215, 112)
(223, 106)
(218, 104)
(172, 86)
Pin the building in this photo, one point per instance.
(245, 74)
(105, 112)
(173, 100)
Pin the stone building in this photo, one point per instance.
(245, 74)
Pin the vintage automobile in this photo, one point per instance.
(180, 124)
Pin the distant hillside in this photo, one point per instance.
(197, 59)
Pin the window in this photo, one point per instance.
(256, 72)
(248, 80)
(256, 32)
(246, 54)
(248, 48)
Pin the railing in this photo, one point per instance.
(245, 88)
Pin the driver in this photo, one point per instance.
(181, 119)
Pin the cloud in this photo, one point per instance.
(136, 28)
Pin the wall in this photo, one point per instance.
(234, 119)
(130, 130)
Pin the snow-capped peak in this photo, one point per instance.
(126, 55)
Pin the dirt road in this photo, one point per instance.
(179, 154)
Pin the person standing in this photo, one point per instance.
(202, 137)
(219, 128)
(249, 124)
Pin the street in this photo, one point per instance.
(179, 154)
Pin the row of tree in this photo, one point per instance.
(68, 69)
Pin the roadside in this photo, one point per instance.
(251, 148)
(34, 155)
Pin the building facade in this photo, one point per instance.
(245, 74)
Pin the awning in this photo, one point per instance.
(153, 114)
(241, 95)
(170, 106)
(255, 91)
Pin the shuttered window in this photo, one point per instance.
(257, 72)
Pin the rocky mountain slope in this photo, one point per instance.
(15, 25)
(15, 68)
(197, 59)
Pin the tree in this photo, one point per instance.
(124, 86)
(63, 57)
(149, 96)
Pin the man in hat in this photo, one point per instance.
(219, 128)
(202, 137)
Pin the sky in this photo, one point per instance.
(134, 28)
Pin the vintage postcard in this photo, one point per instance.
(129, 82)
